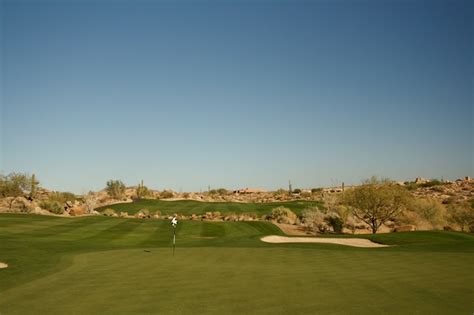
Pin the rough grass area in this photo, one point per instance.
(188, 207)
(99, 265)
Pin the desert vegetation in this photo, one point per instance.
(375, 205)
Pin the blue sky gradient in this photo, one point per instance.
(186, 94)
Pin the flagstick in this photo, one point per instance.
(174, 238)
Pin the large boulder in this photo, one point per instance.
(76, 211)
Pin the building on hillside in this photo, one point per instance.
(249, 191)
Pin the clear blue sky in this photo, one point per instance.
(185, 94)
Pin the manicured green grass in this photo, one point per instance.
(97, 265)
(188, 207)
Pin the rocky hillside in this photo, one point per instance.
(447, 192)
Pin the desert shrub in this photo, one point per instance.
(431, 210)
(351, 223)
(186, 195)
(142, 192)
(52, 206)
(425, 214)
(283, 215)
(222, 191)
(409, 217)
(305, 194)
(68, 196)
(62, 197)
(410, 186)
(313, 219)
(14, 185)
(165, 194)
(281, 191)
(434, 182)
(316, 190)
(462, 214)
(109, 212)
(115, 189)
(431, 183)
(297, 191)
(334, 221)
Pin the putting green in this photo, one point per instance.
(123, 266)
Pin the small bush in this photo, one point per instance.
(165, 194)
(283, 215)
(316, 190)
(334, 221)
(314, 219)
(52, 206)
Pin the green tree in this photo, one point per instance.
(14, 185)
(376, 202)
(115, 189)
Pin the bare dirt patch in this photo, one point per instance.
(290, 229)
(356, 242)
(3, 265)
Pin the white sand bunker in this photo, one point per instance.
(356, 242)
(3, 265)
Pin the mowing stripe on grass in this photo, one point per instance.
(115, 232)
(212, 229)
(88, 229)
(68, 224)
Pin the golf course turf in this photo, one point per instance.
(101, 265)
(188, 207)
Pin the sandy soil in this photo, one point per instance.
(3, 265)
(356, 242)
(290, 229)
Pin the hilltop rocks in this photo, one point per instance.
(458, 191)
